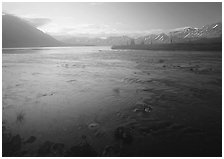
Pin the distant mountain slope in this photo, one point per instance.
(17, 32)
(207, 34)
(213, 31)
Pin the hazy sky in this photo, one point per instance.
(102, 19)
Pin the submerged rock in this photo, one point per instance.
(51, 149)
(82, 150)
(58, 149)
(93, 126)
(20, 117)
(123, 134)
(3, 128)
(84, 137)
(31, 139)
(116, 90)
(45, 148)
(111, 151)
(11, 146)
(99, 133)
(16, 143)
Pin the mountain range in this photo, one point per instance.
(17, 32)
(207, 34)
(187, 34)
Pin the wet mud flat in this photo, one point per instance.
(86, 102)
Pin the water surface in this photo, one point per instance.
(169, 102)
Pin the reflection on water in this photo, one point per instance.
(93, 101)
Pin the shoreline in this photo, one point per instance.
(169, 47)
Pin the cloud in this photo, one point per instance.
(66, 27)
(80, 29)
(92, 30)
(37, 22)
(33, 19)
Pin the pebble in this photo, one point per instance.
(148, 109)
(143, 108)
(93, 126)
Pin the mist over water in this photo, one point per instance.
(122, 103)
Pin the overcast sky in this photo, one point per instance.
(102, 19)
